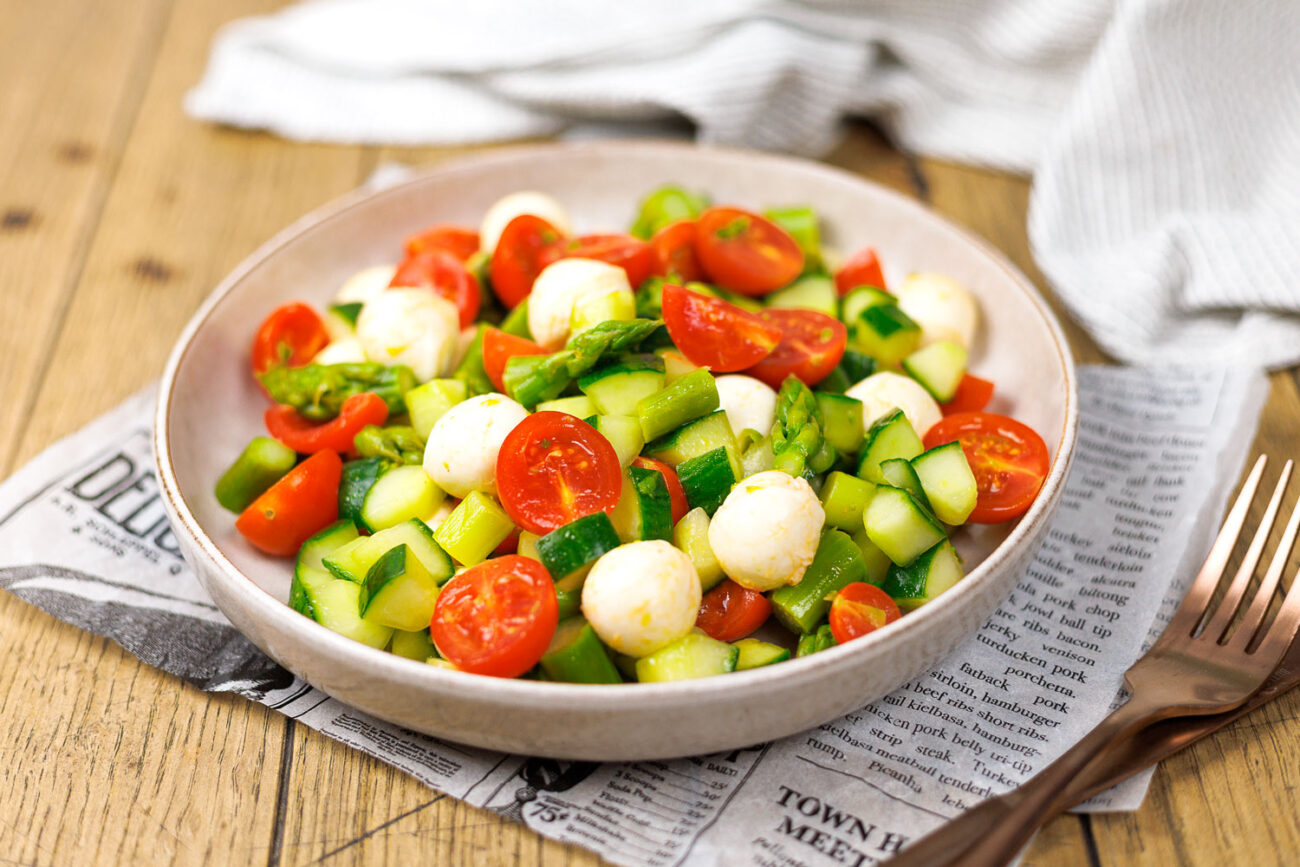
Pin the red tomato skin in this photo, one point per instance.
(295, 508)
(714, 333)
(519, 257)
(812, 344)
(285, 424)
(730, 612)
(496, 618)
(673, 248)
(509, 545)
(456, 240)
(862, 269)
(631, 254)
(745, 252)
(498, 348)
(442, 272)
(554, 468)
(1009, 460)
(855, 608)
(676, 493)
(292, 335)
(972, 395)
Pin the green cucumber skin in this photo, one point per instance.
(358, 477)
(898, 473)
(655, 504)
(890, 436)
(900, 525)
(516, 321)
(581, 659)
(910, 586)
(692, 439)
(756, 654)
(569, 602)
(391, 565)
(838, 563)
(261, 464)
(856, 366)
(694, 655)
(567, 549)
(844, 498)
(707, 479)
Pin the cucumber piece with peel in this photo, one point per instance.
(900, 526)
(949, 484)
(694, 655)
(939, 368)
(398, 592)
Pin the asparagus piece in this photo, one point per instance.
(799, 446)
(317, 391)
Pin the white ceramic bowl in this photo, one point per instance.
(209, 407)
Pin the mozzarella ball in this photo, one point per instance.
(943, 308)
(765, 534)
(414, 327)
(882, 392)
(461, 452)
(345, 351)
(748, 403)
(642, 596)
(562, 286)
(526, 202)
(366, 284)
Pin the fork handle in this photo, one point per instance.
(995, 830)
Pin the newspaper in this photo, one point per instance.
(86, 540)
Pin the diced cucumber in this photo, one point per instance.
(836, 382)
(568, 601)
(691, 396)
(885, 333)
(399, 495)
(708, 479)
(891, 436)
(900, 526)
(352, 561)
(841, 421)
(347, 313)
(860, 299)
(474, 529)
(617, 388)
(856, 366)
(691, 535)
(579, 406)
(429, 402)
(516, 321)
(311, 558)
(262, 463)
(758, 458)
(576, 655)
(694, 655)
(528, 546)
(567, 549)
(624, 434)
(838, 563)
(358, 477)
(412, 645)
(898, 473)
(693, 439)
(939, 368)
(945, 476)
(398, 592)
(801, 223)
(676, 366)
(644, 509)
(815, 642)
(813, 292)
(589, 312)
(844, 499)
(926, 577)
(756, 654)
(877, 561)
(333, 603)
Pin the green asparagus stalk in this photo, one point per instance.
(397, 444)
(532, 379)
(318, 390)
(798, 444)
(261, 464)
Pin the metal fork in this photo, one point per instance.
(1193, 669)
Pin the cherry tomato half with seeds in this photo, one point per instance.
(812, 344)
(554, 468)
(633, 255)
(520, 256)
(744, 252)
(730, 612)
(291, 335)
(297, 507)
(673, 247)
(496, 618)
(860, 609)
(676, 493)
(972, 395)
(1009, 460)
(456, 240)
(442, 272)
(287, 425)
(714, 333)
(498, 348)
(862, 269)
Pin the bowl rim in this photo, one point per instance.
(592, 697)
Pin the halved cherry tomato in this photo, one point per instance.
(673, 247)
(301, 504)
(972, 395)
(1009, 460)
(713, 333)
(744, 252)
(862, 269)
(496, 618)
(811, 345)
(676, 493)
(456, 240)
(519, 257)
(729, 612)
(859, 609)
(498, 348)
(284, 423)
(554, 468)
(631, 254)
(443, 273)
(291, 335)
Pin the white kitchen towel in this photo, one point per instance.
(1165, 134)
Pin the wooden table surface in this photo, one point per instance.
(117, 216)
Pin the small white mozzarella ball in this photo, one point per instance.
(461, 452)
(883, 392)
(348, 350)
(943, 308)
(365, 284)
(564, 285)
(748, 403)
(642, 596)
(526, 202)
(765, 533)
(415, 327)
